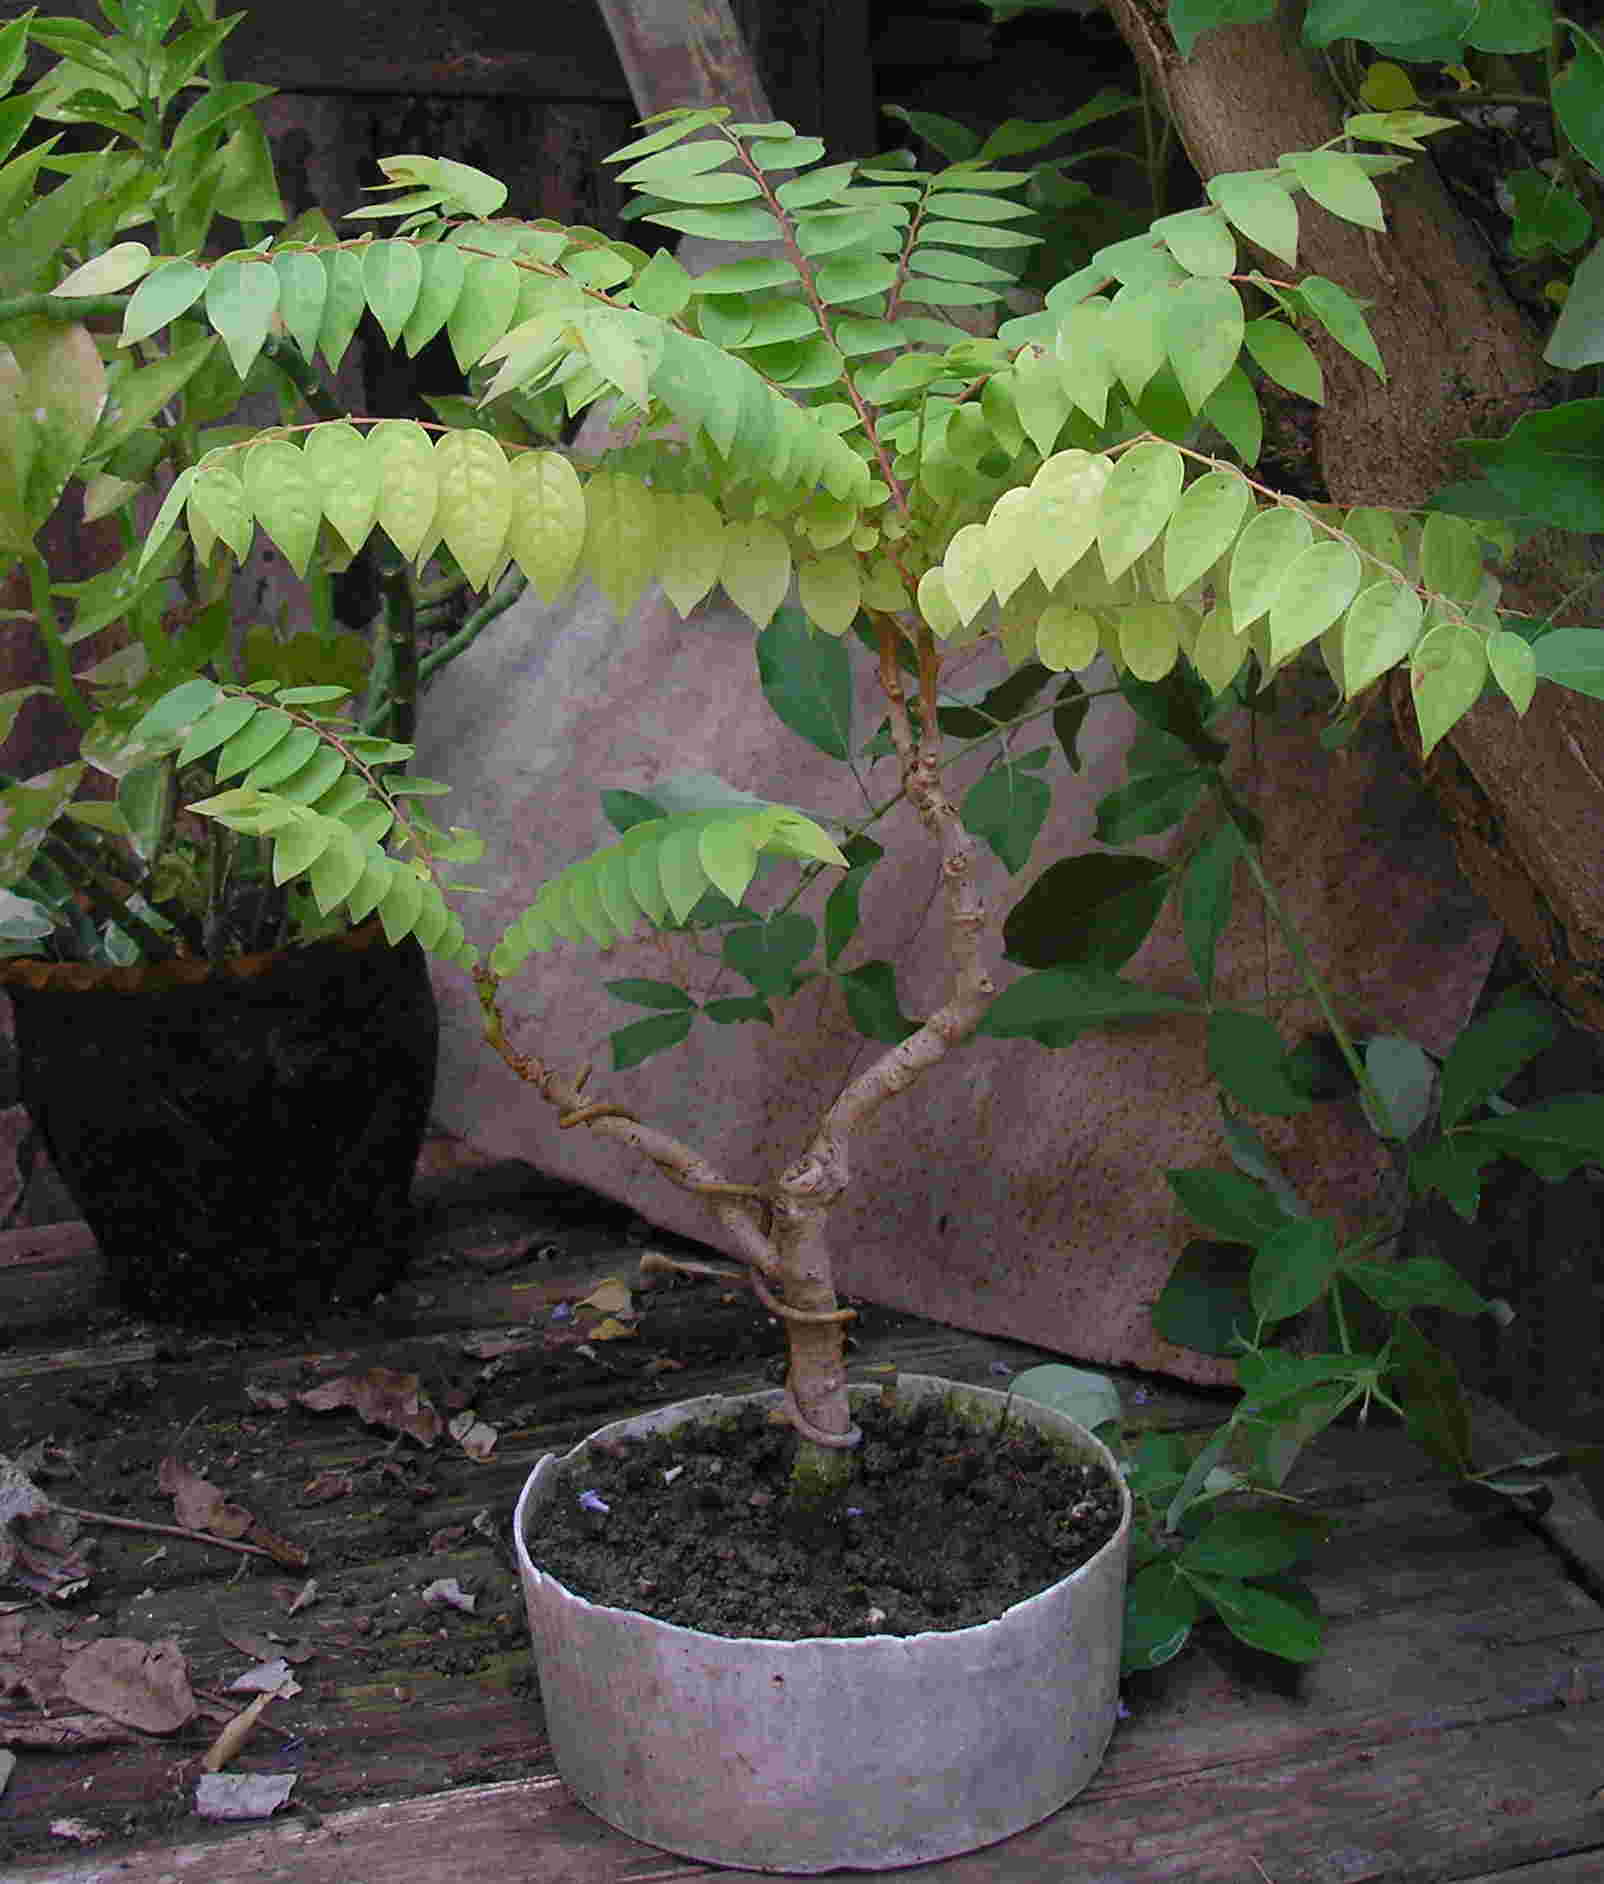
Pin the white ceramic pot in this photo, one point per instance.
(807, 1756)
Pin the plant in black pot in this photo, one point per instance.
(232, 1078)
(1069, 493)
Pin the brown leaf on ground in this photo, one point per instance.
(447, 1539)
(610, 1296)
(38, 1546)
(141, 1684)
(381, 1397)
(63, 1733)
(280, 1549)
(264, 1648)
(197, 1503)
(476, 1438)
(31, 1660)
(326, 1487)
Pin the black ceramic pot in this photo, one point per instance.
(241, 1138)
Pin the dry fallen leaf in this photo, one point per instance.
(242, 1795)
(31, 1660)
(269, 1399)
(280, 1549)
(610, 1297)
(65, 1733)
(326, 1487)
(449, 1592)
(80, 1831)
(610, 1328)
(269, 1677)
(447, 1539)
(197, 1503)
(38, 1545)
(380, 1397)
(140, 1684)
(471, 1433)
(265, 1648)
(300, 1599)
(494, 1346)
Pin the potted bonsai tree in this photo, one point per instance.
(237, 1115)
(1070, 487)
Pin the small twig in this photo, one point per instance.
(159, 1530)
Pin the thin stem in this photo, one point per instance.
(160, 1530)
(1315, 983)
(44, 611)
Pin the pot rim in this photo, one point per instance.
(928, 1385)
(37, 976)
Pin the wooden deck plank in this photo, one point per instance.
(1454, 1730)
(1459, 1804)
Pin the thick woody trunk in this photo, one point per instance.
(1524, 798)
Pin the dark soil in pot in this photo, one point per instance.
(241, 1144)
(948, 1522)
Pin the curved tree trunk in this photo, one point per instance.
(1525, 798)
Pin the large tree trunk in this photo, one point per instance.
(1525, 798)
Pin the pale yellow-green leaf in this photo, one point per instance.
(1331, 654)
(401, 904)
(1069, 490)
(55, 388)
(347, 478)
(1376, 531)
(104, 495)
(1011, 532)
(1514, 667)
(547, 533)
(1320, 583)
(409, 483)
(1149, 639)
(284, 499)
(1450, 557)
(883, 587)
(967, 570)
(118, 268)
(1446, 674)
(1218, 651)
(1135, 336)
(474, 510)
(692, 539)
(622, 546)
(1041, 401)
(728, 855)
(217, 499)
(1086, 370)
(830, 590)
(1066, 638)
(1203, 326)
(826, 521)
(1204, 526)
(936, 607)
(1138, 502)
(1381, 628)
(484, 308)
(1264, 552)
(756, 569)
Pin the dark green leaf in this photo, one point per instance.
(1247, 1058)
(1069, 716)
(841, 906)
(1578, 98)
(1176, 705)
(768, 954)
(1404, 1077)
(1007, 807)
(1264, 1619)
(1228, 1205)
(1189, 18)
(1574, 658)
(1550, 464)
(641, 1040)
(956, 142)
(742, 1007)
(1453, 1168)
(623, 809)
(972, 718)
(1148, 805)
(871, 997)
(1093, 909)
(1058, 1005)
(1293, 1268)
(1160, 1608)
(650, 993)
(1252, 1543)
(1205, 1305)
(1206, 899)
(1435, 1408)
(1424, 1281)
(1490, 1052)
(1552, 1138)
(807, 680)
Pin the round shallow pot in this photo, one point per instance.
(241, 1135)
(806, 1756)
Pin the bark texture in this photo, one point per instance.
(1525, 798)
